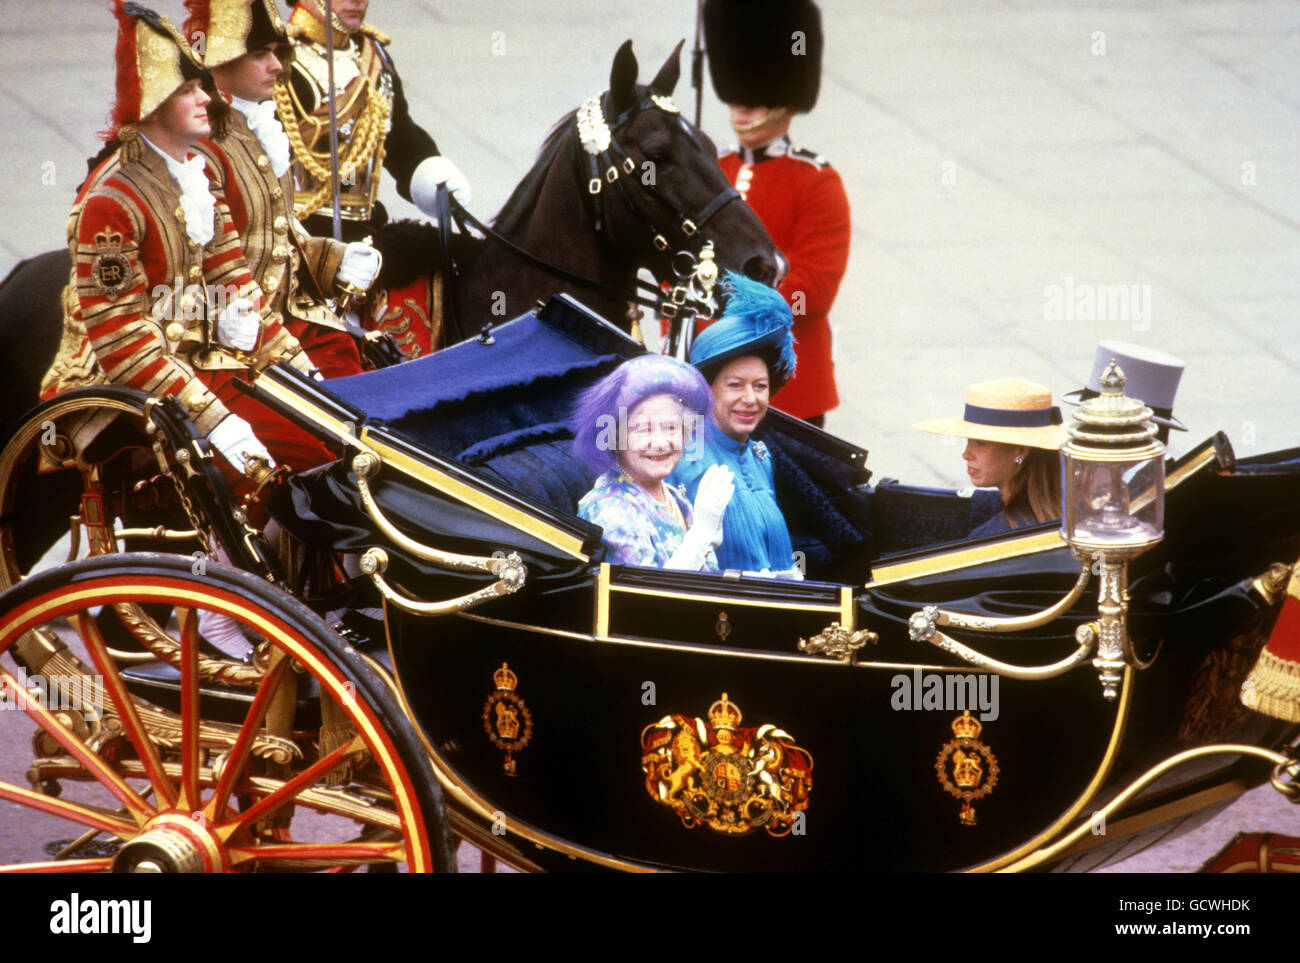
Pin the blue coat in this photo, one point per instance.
(754, 533)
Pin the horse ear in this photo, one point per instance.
(622, 78)
(666, 80)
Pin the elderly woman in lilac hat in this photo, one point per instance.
(632, 429)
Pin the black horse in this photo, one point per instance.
(654, 190)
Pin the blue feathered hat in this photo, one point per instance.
(756, 321)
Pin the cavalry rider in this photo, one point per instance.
(242, 43)
(765, 61)
(160, 296)
(374, 129)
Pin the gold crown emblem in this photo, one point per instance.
(966, 726)
(967, 771)
(505, 679)
(724, 714)
(108, 240)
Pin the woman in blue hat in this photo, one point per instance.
(631, 429)
(747, 355)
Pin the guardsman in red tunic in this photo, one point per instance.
(243, 43)
(160, 297)
(375, 131)
(765, 61)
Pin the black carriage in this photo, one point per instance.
(559, 711)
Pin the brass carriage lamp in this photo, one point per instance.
(1113, 476)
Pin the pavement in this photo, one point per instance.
(993, 154)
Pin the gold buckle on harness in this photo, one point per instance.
(593, 186)
(688, 227)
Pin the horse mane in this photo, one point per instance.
(523, 201)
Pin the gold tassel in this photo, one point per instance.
(336, 730)
(1273, 688)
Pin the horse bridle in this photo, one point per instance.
(607, 162)
(695, 270)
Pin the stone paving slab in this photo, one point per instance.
(989, 150)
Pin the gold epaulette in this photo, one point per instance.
(378, 35)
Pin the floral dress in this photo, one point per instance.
(638, 530)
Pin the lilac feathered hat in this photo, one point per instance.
(756, 321)
(609, 402)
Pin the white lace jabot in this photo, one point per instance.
(196, 194)
(266, 125)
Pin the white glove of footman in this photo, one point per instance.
(432, 172)
(360, 265)
(235, 440)
(715, 491)
(239, 325)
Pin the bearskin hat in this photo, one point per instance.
(764, 52)
(224, 30)
(153, 59)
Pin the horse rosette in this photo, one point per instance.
(733, 780)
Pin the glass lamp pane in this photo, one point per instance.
(1117, 504)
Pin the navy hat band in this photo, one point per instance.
(1003, 418)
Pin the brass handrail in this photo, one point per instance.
(366, 465)
(921, 627)
(1281, 764)
(1019, 623)
(512, 574)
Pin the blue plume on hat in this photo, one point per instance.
(756, 321)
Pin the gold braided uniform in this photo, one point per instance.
(364, 80)
(141, 304)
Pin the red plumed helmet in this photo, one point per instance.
(224, 30)
(152, 60)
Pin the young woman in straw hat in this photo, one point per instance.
(1012, 433)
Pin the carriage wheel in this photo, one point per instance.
(78, 455)
(214, 783)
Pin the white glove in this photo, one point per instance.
(715, 491)
(705, 533)
(239, 325)
(360, 265)
(432, 172)
(235, 440)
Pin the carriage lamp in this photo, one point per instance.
(1113, 475)
(1113, 481)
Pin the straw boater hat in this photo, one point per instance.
(1011, 411)
(1150, 376)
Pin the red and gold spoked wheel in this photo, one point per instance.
(311, 765)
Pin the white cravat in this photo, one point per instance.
(266, 125)
(196, 194)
